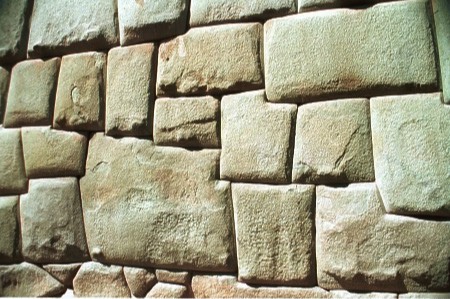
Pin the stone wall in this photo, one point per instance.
(218, 148)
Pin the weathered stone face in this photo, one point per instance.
(275, 233)
(49, 237)
(64, 273)
(333, 143)
(9, 229)
(218, 59)
(360, 247)
(177, 277)
(4, 84)
(169, 211)
(12, 169)
(80, 95)
(139, 280)
(385, 49)
(411, 152)
(257, 139)
(167, 290)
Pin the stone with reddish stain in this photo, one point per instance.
(4, 84)
(12, 167)
(167, 290)
(139, 280)
(64, 273)
(9, 229)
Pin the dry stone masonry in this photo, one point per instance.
(225, 148)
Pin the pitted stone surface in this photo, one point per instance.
(333, 143)
(167, 290)
(64, 273)
(80, 95)
(411, 147)
(257, 138)
(31, 93)
(130, 90)
(384, 49)
(169, 210)
(4, 84)
(9, 229)
(52, 153)
(28, 280)
(216, 59)
(97, 280)
(65, 26)
(139, 280)
(52, 223)
(148, 20)
(275, 233)
(187, 122)
(177, 277)
(208, 12)
(12, 168)
(360, 247)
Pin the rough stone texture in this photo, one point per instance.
(361, 248)
(163, 209)
(97, 280)
(9, 229)
(308, 5)
(206, 286)
(80, 96)
(208, 12)
(4, 84)
(424, 296)
(130, 90)
(31, 93)
(333, 143)
(275, 233)
(28, 280)
(257, 139)
(52, 153)
(12, 168)
(146, 20)
(173, 277)
(65, 26)
(441, 10)
(64, 273)
(13, 30)
(411, 152)
(211, 60)
(49, 237)
(139, 280)
(188, 122)
(166, 290)
(384, 49)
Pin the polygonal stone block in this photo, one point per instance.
(12, 168)
(9, 229)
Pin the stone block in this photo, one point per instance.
(309, 5)
(143, 21)
(342, 294)
(385, 49)
(411, 153)
(65, 27)
(139, 280)
(177, 277)
(64, 273)
(208, 12)
(130, 90)
(4, 84)
(187, 122)
(49, 237)
(167, 290)
(211, 60)
(12, 168)
(53, 153)
(257, 139)
(31, 95)
(275, 233)
(361, 248)
(170, 211)
(9, 229)
(97, 280)
(333, 143)
(80, 95)
(424, 295)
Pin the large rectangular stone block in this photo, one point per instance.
(12, 168)
(384, 49)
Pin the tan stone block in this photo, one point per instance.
(167, 290)
(12, 168)
(177, 277)
(64, 273)
(139, 280)
(9, 229)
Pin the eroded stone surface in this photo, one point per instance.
(49, 237)
(207, 12)
(333, 143)
(210, 60)
(12, 168)
(97, 280)
(64, 273)
(411, 152)
(275, 233)
(167, 290)
(80, 95)
(143, 21)
(4, 84)
(257, 139)
(178, 277)
(188, 122)
(65, 26)
(130, 90)
(384, 49)
(9, 229)
(164, 207)
(139, 280)
(360, 247)
(31, 93)
(28, 280)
